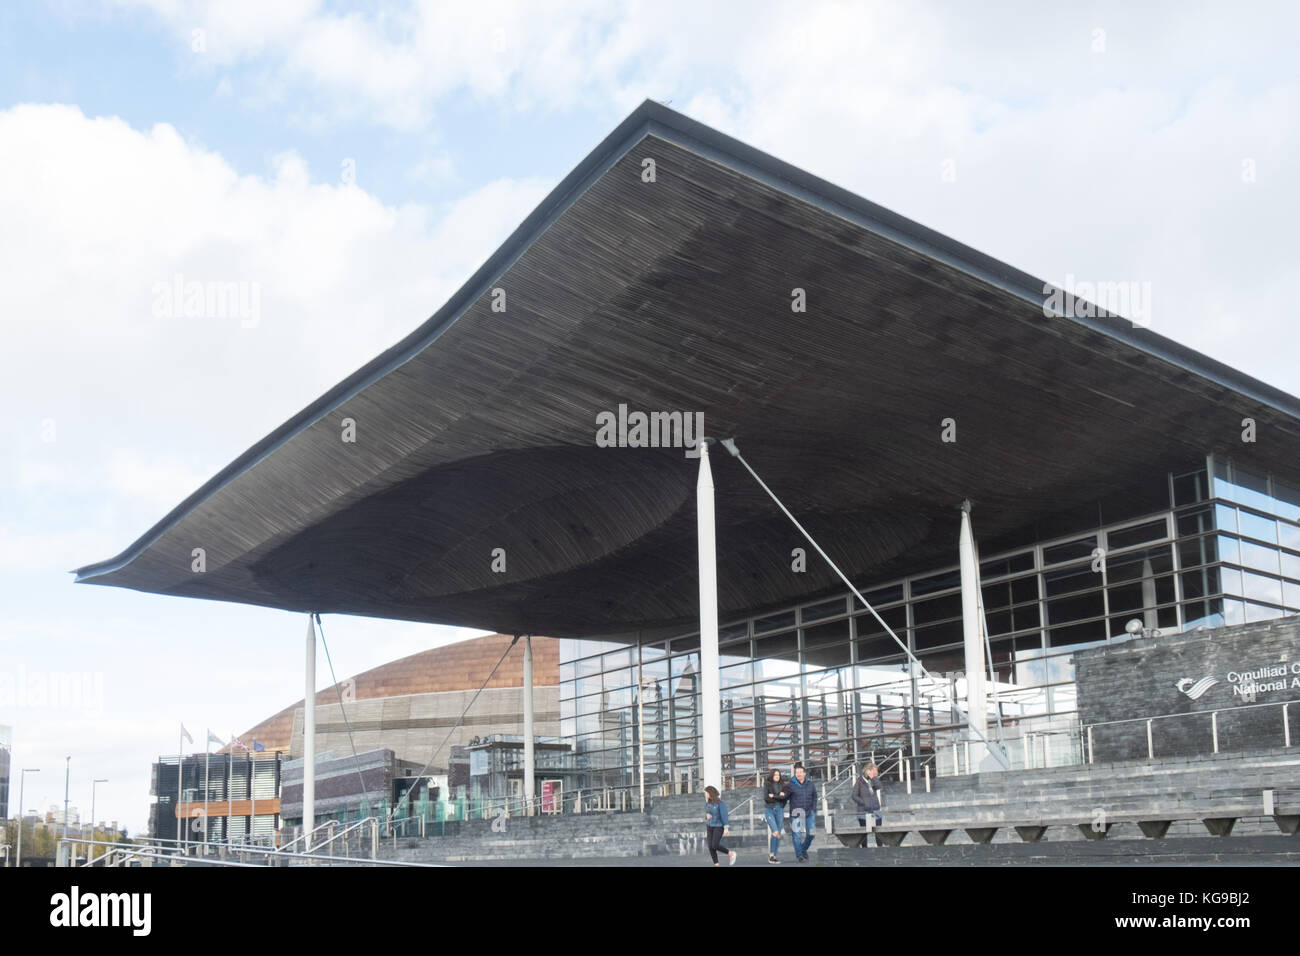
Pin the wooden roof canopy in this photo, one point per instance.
(477, 431)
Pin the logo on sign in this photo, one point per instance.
(1195, 689)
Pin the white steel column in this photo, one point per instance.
(710, 682)
(530, 768)
(309, 736)
(976, 705)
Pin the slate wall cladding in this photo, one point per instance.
(1153, 676)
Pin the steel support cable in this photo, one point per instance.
(730, 445)
(343, 710)
(459, 720)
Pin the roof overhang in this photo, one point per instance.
(477, 432)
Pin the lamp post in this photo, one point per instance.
(91, 851)
(67, 777)
(22, 781)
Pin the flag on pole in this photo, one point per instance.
(186, 734)
(257, 747)
(214, 739)
(237, 744)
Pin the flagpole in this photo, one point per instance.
(180, 779)
(252, 795)
(230, 777)
(207, 763)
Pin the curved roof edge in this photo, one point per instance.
(651, 118)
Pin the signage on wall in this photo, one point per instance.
(1247, 685)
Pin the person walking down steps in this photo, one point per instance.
(866, 794)
(715, 823)
(774, 798)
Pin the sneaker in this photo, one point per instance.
(772, 859)
(732, 858)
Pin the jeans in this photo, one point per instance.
(804, 829)
(715, 842)
(775, 821)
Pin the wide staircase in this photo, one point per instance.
(673, 826)
(1210, 808)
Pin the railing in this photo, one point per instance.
(1213, 739)
(124, 855)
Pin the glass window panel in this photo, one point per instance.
(1138, 534)
(1201, 583)
(1290, 564)
(815, 612)
(1189, 488)
(737, 674)
(619, 658)
(1257, 587)
(1258, 612)
(623, 677)
(1260, 558)
(1082, 633)
(1147, 497)
(1081, 548)
(1195, 521)
(1203, 614)
(587, 685)
(1291, 594)
(1255, 526)
(998, 567)
(653, 651)
(1289, 535)
(936, 609)
(688, 642)
(1013, 619)
(938, 635)
(774, 621)
(1231, 578)
(879, 649)
(1286, 500)
(890, 594)
(936, 582)
(1234, 612)
(1196, 551)
(1066, 580)
(588, 666)
(567, 671)
(784, 646)
(1225, 518)
(823, 634)
(1229, 549)
(733, 633)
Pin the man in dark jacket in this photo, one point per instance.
(803, 812)
(866, 794)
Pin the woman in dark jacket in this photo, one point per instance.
(774, 798)
(866, 794)
(715, 823)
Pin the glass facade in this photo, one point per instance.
(824, 682)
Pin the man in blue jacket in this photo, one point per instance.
(803, 812)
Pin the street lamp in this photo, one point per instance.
(22, 781)
(90, 852)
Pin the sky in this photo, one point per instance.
(349, 166)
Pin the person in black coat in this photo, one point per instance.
(866, 794)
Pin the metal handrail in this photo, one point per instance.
(268, 854)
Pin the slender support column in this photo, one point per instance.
(530, 762)
(309, 737)
(976, 706)
(710, 681)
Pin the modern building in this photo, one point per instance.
(1007, 474)
(221, 795)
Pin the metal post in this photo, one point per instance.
(309, 737)
(1151, 750)
(927, 778)
(530, 759)
(22, 786)
(976, 705)
(1024, 741)
(968, 770)
(900, 764)
(1090, 743)
(710, 681)
(1286, 726)
(1214, 729)
(67, 777)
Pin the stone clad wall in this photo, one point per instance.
(1155, 676)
